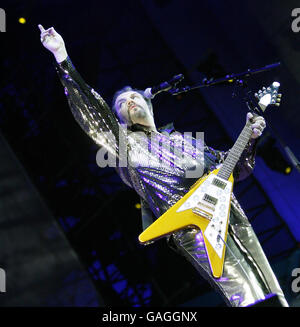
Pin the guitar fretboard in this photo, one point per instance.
(235, 152)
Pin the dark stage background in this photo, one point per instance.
(68, 229)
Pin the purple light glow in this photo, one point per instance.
(199, 237)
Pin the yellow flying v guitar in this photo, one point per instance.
(207, 204)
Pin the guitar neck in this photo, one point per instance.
(235, 152)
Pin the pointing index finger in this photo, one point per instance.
(41, 28)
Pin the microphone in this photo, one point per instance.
(150, 92)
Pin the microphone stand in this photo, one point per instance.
(227, 78)
(252, 105)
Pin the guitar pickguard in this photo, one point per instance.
(212, 200)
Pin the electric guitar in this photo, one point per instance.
(207, 204)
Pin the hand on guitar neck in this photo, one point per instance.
(258, 124)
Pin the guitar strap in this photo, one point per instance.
(147, 215)
(241, 247)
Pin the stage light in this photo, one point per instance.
(288, 170)
(22, 20)
(137, 206)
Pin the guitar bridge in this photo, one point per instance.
(202, 213)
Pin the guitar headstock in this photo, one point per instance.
(269, 96)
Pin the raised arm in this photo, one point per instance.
(88, 107)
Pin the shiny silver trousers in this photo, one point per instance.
(247, 277)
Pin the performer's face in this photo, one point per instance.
(131, 106)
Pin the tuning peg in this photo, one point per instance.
(276, 85)
(277, 104)
(279, 95)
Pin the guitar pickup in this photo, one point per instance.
(217, 182)
(210, 199)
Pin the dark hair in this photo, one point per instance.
(127, 89)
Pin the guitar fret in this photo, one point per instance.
(235, 152)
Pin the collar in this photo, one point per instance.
(169, 128)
